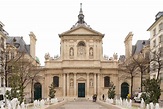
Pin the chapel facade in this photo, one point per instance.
(81, 70)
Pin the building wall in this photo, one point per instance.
(74, 69)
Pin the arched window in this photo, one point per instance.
(56, 81)
(81, 43)
(106, 81)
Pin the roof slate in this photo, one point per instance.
(23, 47)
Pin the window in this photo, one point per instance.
(106, 81)
(154, 32)
(1, 97)
(154, 43)
(56, 81)
(161, 51)
(12, 55)
(9, 69)
(2, 80)
(154, 55)
(2, 43)
(81, 43)
(160, 38)
(161, 77)
(160, 26)
(146, 55)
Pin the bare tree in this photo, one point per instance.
(129, 68)
(143, 65)
(33, 76)
(21, 69)
(157, 62)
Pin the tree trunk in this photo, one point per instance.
(32, 95)
(131, 86)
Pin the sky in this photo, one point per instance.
(48, 18)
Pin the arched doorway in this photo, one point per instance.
(37, 91)
(124, 90)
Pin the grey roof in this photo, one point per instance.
(158, 15)
(19, 43)
(139, 46)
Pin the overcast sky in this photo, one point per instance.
(48, 18)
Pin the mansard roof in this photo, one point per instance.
(19, 43)
(158, 18)
(139, 46)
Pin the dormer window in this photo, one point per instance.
(16, 45)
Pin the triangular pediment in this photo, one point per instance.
(81, 79)
(81, 30)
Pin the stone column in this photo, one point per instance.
(74, 84)
(68, 84)
(98, 86)
(87, 84)
(64, 85)
(95, 83)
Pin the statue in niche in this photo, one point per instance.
(71, 83)
(91, 52)
(91, 82)
(71, 52)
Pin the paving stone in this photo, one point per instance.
(82, 105)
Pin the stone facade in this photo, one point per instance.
(156, 46)
(81, 70)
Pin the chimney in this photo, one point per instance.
(32, 44)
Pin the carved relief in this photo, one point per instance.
(81, 49)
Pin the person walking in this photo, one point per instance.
(103, 96)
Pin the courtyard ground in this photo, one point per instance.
(83, 104)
